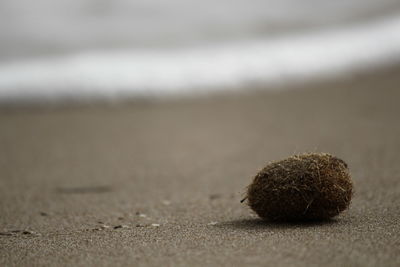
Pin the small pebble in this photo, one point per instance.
(155, 225)
(27, 232)
(120, 226)
(212, 223)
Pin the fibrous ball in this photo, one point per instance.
(312, 186)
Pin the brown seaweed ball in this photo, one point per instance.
(312, 186)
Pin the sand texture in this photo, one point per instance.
(160, 184)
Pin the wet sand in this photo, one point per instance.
(159, 184)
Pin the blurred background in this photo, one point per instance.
(160, 182)
(98, 49)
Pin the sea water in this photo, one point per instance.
(93, 49)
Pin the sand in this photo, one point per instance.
(160, 184)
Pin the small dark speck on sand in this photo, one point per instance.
(18, 232)
(215, 196)
(5, 233)
(120, 226)
(28, 232)
(99, 228)
(43, 213)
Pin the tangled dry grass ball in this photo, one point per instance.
(312, 186)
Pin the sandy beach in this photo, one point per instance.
(160, 183)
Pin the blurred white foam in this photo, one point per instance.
(147, 73)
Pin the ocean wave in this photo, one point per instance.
(190, 71)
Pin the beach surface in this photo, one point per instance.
(159, 183)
